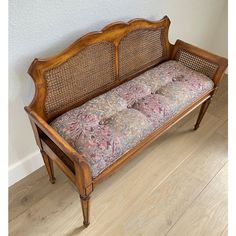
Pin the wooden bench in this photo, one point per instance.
(116, 90)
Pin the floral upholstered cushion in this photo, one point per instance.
(106, 127)
(156, 108)
(131, 91)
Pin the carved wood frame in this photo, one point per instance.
(57, 149)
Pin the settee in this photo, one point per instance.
(113, 92)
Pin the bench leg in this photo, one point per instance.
(85, 203)
(83, 182)
(202, 112)
(49, 166)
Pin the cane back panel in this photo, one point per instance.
(88, 71)
(196, 63)
(96, 63)
(140, 49)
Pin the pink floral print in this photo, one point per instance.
(106, 127)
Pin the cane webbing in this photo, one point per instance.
(196, 63)
(81, 75)
(140, 49)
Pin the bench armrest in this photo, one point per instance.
(200, 60)
(55, 137)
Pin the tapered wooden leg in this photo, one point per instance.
(49, 166)
(85, 203)
(202, 112)
(84, 184)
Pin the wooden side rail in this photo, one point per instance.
(55, 137)
(83, 176)
(200, 60)
(58, 161)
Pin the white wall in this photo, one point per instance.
(220, 39)
(41, 28)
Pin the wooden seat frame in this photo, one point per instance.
(55, 149)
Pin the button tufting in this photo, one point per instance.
(101, 122)
(107, 120)
(158, 91)
(178, 78)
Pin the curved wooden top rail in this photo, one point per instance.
(113, 32)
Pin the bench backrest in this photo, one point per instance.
(96, 63)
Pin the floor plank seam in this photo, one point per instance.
(196, 197)
(224, 230)
(171, 172)
(45, 196)
(178, 166)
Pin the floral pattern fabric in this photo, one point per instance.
(131, 91)
(106, 127)
(156, 108)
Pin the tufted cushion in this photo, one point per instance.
(131, 91)
(109, 125)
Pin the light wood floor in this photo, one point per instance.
(182, 193)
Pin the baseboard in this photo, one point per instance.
(24, 167)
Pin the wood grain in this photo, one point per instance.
(217, 106)
(30, 190)
(225, 231)
(223, 129)
(162, 205)
(207, 216)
